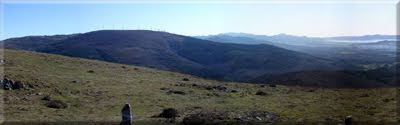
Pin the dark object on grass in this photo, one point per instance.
(169, 113)
(180, 84)
(234, 91)
(311, 90)
(348, 120)
(126, 115)
(272, 85)
(7, 84)
(220, 88)
(58, 104)
(176, 92)
(185, 79)
(163, 88)
(261, 93)
(46, 98)
(193, 120)
(19, 85)
(90, 71)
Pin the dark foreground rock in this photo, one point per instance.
(19, 85)
(261, 93)
(169, 113)
(46, 98)
(348, 120)
(176, 92)
(57, 104)
(8, 84)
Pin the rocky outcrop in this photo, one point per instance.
(8, 84)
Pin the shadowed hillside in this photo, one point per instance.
(221, 61)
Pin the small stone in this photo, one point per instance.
(169, 113)
(46, 98)
(194, 119)
(364, 95)
(7, 84)
(234, 91)
(176, 92)
(213, 94)
(163, 88)
(19, 85)
(180, 84)
(58, 104)
(386, 100)
(311, 90)
(261, 93)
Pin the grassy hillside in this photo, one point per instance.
(96, 91)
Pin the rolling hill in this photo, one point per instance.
(95, 91)
(161, 50)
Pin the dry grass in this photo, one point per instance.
(99, 96)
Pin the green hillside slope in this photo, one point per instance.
(96, 91)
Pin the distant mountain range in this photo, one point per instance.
(230, 57)
(302, 40)
(221, 61)
(264, 39)
(381, 47)
(365, 37)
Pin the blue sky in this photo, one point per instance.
(304, 19)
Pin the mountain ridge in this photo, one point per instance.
(162, 50)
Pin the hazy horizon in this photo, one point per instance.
(201, 35)
(191, 19)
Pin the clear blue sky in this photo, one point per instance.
(308, 19)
